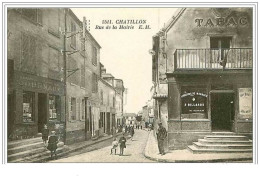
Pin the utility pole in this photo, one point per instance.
(65, 71)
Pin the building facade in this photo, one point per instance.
(35, 71)
(55, 78)
(208, 62)
(83, 71)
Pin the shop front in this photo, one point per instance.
(201, 104)
(35, 101)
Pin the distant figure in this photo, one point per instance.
(114, 146)
(52, 144)
(161, 135)
(122, 142)
(132, 132)
(45, 134)
(141, 126)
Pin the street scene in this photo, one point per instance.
(130, 85)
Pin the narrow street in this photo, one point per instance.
(134, 152)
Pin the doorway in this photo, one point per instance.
(42, 111)
(222, 111)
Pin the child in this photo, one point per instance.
(45, 134)
(114, 145)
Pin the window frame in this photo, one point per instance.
(32, 106)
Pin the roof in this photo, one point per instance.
(174, 19)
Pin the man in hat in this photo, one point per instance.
(161, 135)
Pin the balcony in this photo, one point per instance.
(213, 59)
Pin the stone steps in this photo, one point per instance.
(17, 143)
(212, 141)
(29, 150)
(222, 143)
(196, 150)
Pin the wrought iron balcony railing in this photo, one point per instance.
(197, 59)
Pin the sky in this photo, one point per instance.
(125, 52)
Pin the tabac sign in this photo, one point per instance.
(222, 19)
(245, 103)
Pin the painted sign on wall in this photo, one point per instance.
(245, 103)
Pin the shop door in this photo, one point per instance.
(108, 124)
(222, 111)
(42, 111)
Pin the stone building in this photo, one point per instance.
(55, 77)
(35, 71)
(83, 72)
(206, 57)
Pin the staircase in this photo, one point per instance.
(222, 142)
(30, 150)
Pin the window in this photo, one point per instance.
(28, 106)
(194, 103)
(54, 59)
(54, 107)
(83, 109)
(114, 102)
(28, 52)
(94, 83)
(82, 75)
(73, 109)
(94, 55)
(101, 97)
(219, 46)
(54, 22)
(73, 37)
(34, 15)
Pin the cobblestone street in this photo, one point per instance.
(134, 152)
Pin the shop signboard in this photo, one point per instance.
(245, 103)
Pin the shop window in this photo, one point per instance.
(73, 109)
(28, 106)
(83, 109)
(54, 107)
(194, 103)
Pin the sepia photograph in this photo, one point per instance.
(124, 84)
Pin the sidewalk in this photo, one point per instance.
(186, 156)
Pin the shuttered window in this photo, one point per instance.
(94, 83)
(82, 75)
(94, 55)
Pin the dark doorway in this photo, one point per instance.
(10, 114)
(222, 111)
(42, 111)
(108, 124)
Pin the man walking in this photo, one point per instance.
(161, 135)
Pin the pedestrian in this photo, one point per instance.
(114, 146)
(52, 144)
(132, 132)
(122, 142)
(141, 127)
(45, 134)
(161, 135)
